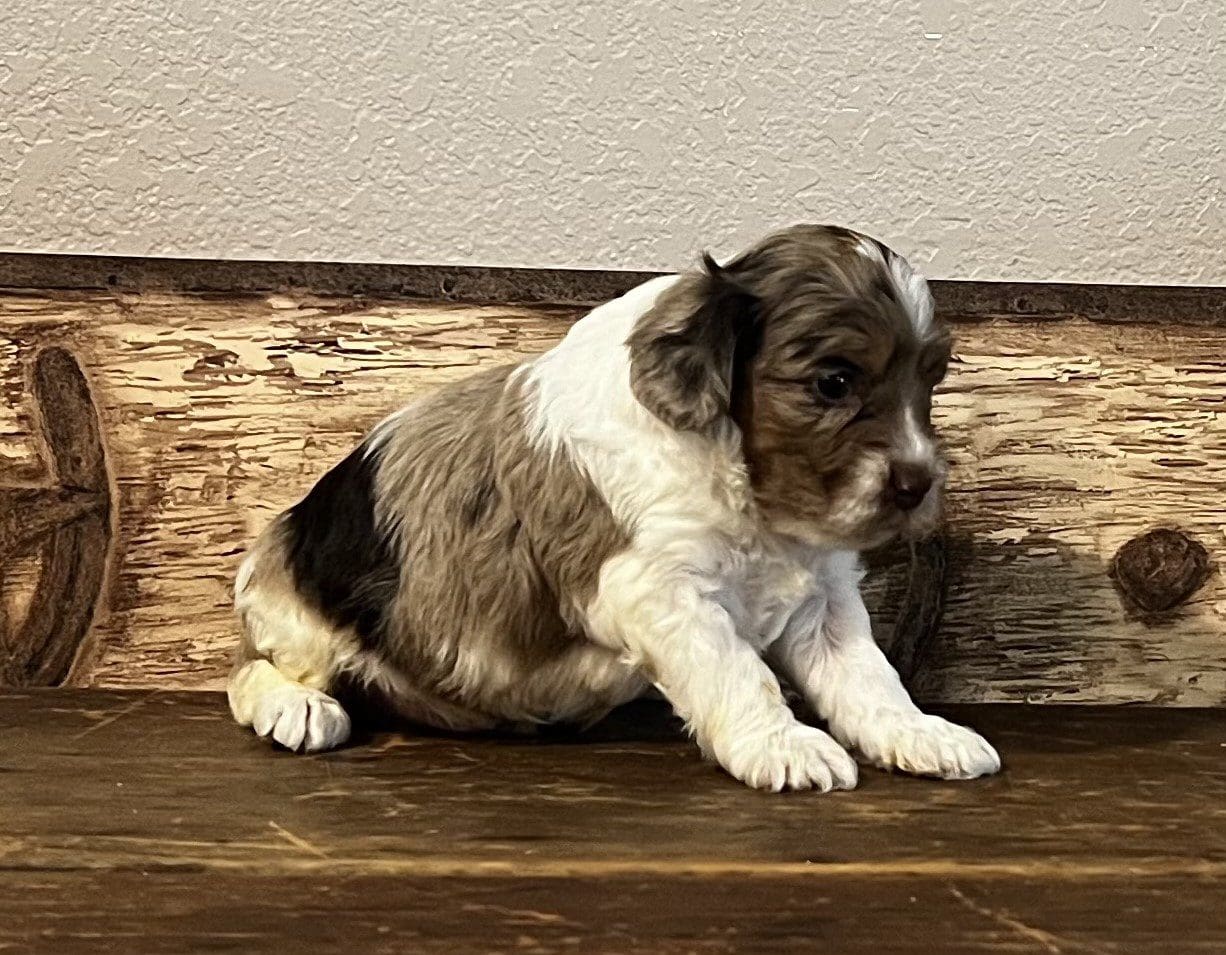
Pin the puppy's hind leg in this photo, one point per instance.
(286, 662)
(297, 716)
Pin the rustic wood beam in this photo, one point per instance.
(1070, 434)
(69, 524)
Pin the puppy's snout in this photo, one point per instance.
(909, 484)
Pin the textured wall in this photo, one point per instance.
(1023, 139)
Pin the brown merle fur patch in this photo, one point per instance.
(498, 544)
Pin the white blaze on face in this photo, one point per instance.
(916, 446)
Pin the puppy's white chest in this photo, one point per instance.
(777, 587)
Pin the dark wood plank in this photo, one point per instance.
(150, 822)
(168, 779)
(960, 300)
(176, 911)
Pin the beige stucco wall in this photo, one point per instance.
(1019, 139)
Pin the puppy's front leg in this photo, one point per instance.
(686, 643)
(828, 653)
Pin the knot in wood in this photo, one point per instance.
(1160, 569)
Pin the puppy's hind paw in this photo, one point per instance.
(301, 719)
(795, 757)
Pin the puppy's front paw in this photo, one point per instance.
(300, 718)
(794, 757)
(928, 746)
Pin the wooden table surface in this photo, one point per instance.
(149, 822)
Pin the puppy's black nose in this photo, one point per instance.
(909, 485)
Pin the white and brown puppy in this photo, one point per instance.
(674, 496)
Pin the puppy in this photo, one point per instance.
(673, 497)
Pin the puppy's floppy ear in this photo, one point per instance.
(684, 352)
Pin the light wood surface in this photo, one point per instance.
(1069, 438)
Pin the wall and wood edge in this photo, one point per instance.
(1016, 139)
(1078, 418)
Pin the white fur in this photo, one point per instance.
(829, 654)
(281, 627)
(914, 292)
(870, 249)
(911, 287)
(917, 446)
(280, 695)
(296, 716)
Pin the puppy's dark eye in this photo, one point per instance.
(834, 385)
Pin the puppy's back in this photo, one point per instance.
(449, 549)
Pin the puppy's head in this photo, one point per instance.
(821, 345)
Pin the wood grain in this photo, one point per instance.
(175, 911)
(172, 780)
(1069, 437)
(67, 522)
(149, 821)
